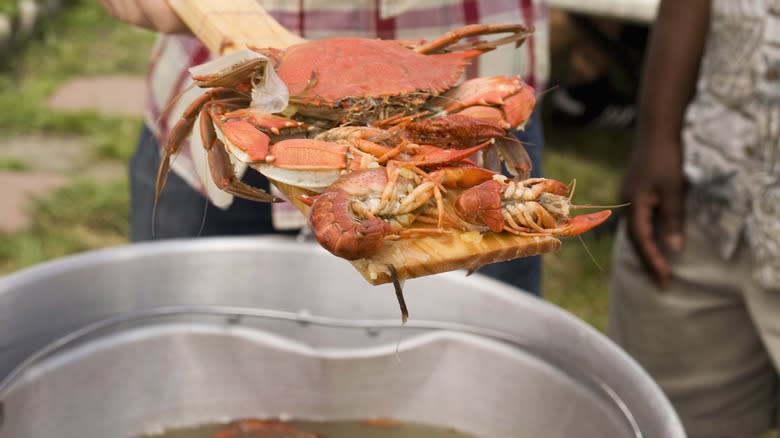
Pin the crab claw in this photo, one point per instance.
(452, 131)
(518, 107)
(582, 223)
(513, 98)
(247, 133)
(308, 163)
(431, 155)
(246, 142)
(515, 156)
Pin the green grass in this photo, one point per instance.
(82, 40)
(81, 216)
(13, 164)
(576, 277)
(9, 7)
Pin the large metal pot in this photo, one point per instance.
(133, 339)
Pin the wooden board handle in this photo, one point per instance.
(226, 25)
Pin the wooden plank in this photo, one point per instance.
(226, 25)
(223, 26)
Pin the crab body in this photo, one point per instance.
(533, 207)
(357, 81)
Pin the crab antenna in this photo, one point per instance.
(584, 206)
(167, 108)
(572, 186)
(590, 254)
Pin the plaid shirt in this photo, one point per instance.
(388, 19)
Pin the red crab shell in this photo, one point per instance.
(358, 81)
(327, 70)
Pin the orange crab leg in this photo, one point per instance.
(462, 177)
(452, 131)
(432, 155)
(180, 131)
(519, 32)
(264, 121)
(239, 77)
(383, 153)
(582, 223)
(307, 154)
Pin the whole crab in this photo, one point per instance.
(399, 85)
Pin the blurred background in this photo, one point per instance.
(72, 95)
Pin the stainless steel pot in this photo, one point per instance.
(138, 338)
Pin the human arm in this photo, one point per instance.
(150, 14)
(654, 183)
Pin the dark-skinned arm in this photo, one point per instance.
(654, 183)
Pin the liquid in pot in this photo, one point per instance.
(327, 429)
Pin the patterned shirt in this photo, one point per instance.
(732, 134)
(388, 19)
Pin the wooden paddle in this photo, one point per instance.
(224, 26)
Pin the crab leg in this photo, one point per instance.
(429, 156)
(452, 131)
(238, 77)
(181, 130)
(519, 32)
(457, 129)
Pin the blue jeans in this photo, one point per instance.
(183, 212)
(525, 273)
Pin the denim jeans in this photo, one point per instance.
(183, 212)
(525, 273)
